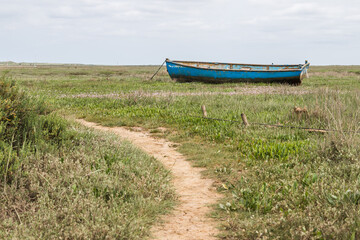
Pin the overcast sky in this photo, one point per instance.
(148, 31)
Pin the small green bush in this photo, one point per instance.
(24, 121)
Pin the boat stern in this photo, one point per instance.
(304, 70)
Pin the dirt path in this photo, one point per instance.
(189, 219)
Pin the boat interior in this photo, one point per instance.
(235, 66)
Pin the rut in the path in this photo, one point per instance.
(190, 218)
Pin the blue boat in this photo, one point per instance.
(213, 72)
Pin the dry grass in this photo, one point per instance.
(113, 191)
(334, 74)
(235, 91)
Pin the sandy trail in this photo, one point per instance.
(189, 219)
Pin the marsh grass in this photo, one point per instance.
(112, 191)
(278, 183)
(61, 181)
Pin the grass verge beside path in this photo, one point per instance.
(61, 181)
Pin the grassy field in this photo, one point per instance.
(61, 181)
(278, 183)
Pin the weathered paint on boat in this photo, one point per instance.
(186, 71)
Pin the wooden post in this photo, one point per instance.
(204, 110)
(244, 119)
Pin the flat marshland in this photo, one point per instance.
(277, 183)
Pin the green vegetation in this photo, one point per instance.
(277, 182)
(60, 181)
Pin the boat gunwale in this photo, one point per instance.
(177, 62)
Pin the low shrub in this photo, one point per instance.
(25, 122)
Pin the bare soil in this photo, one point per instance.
(190, 219)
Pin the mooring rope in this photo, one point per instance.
(158, 70)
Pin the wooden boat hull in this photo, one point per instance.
(225, 72)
